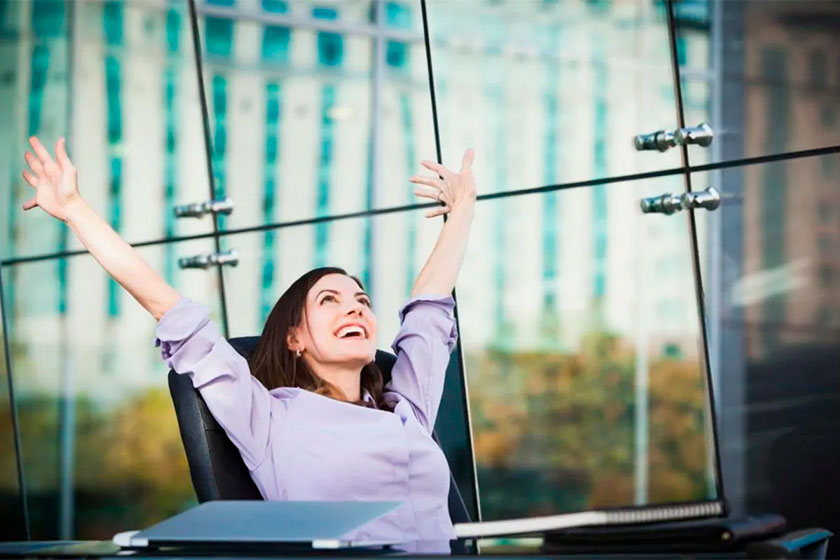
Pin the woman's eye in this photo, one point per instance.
(363, 300)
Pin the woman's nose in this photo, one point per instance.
(356, 308)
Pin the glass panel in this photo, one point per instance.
(101, 446)
(778, 72)
(288, 112)
(35, 60)
(582, 353)
(386, 253)
(356, 13)
(406, 126)
(387, 263)
(774, 319)
(11, 513)
(551, 92)
(293, 116)
(135, 136)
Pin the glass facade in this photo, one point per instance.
(586, 387)
(91, 398)
(11, 494)
(70, 79)
(580, 378)
(551, 92)
(766, 76)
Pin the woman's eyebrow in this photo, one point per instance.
(336, 292)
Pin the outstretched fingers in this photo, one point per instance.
(466, 161)
(30, 204)
(438, 211)
(51, 169)
(430, 181)
(33, 162)
(42, 153)
(436, 167)
(61, 155)
(434, 195)
(31, 179)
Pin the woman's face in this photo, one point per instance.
(339, 325)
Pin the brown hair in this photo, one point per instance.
(275, 365)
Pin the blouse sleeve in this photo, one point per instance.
(191, 344)
(423, 344)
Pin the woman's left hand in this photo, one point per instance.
(454, 190)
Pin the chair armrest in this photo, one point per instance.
(806, 543)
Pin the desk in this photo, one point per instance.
(498, 548)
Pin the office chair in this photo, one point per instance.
(216, 468)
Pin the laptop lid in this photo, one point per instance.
(320, 524)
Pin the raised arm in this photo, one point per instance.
(190, 342)
(57, 193)
(427, 333)
(457, 192)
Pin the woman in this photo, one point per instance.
(308, 412)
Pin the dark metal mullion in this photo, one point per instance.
(66, 400)
(13, 409)
(695, 257)
(460, 348)
(205, 118)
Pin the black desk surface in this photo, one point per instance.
(500, 548)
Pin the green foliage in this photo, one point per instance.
(555, 432)
(129, 464)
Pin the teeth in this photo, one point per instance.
(347, 330)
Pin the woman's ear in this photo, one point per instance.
(292, 339)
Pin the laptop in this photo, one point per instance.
(222, 523)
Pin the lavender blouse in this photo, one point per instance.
(302, 446)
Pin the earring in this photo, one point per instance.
(297, 353)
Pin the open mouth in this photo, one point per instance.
(352, 332)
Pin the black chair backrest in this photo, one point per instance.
(216, 467)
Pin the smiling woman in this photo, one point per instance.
(307, 323)
(292, 409)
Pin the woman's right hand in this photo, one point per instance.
(55, 181)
